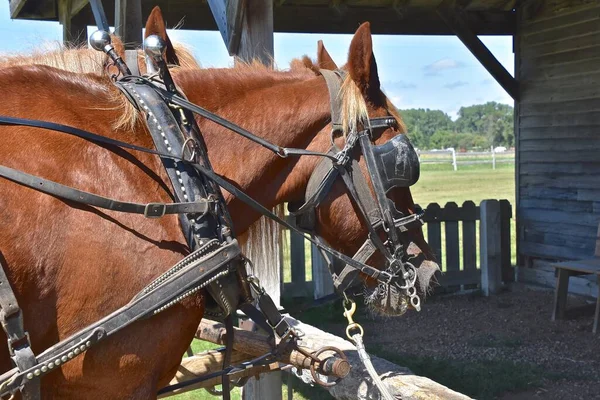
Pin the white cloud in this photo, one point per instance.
(442, 65)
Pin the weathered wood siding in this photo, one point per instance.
(558, 129)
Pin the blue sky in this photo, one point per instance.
(415, 71)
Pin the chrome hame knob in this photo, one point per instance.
(155, 47)
(99, 40)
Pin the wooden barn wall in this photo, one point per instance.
(558, 129)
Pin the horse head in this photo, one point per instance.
(338, 219)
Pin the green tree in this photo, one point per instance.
(492, 120)
(423, 123)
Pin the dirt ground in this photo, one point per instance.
(512, 328)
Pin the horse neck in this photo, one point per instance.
(288, 109)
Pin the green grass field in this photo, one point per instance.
(438, 184)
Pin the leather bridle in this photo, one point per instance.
(393, 164)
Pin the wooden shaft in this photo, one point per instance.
(256, 344)
(212, 361)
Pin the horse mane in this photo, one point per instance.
(82, 60)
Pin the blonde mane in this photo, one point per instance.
(354, 108)
(84, 60)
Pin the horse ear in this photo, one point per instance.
(156, 26)
(323, 58)
(361, 62)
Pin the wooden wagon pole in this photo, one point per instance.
(402, 383)
(212, 361)
(246, 346)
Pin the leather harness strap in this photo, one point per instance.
(19, 344)
(149, 210)
(334, 83)
(131, 59)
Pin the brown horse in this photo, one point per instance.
(70, 265)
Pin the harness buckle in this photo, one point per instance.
(385, 277)
(155, 210)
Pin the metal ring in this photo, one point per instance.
(356, 326)
(415, 301)
(282, 152)
(316, 355)
(194, 147)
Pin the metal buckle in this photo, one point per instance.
(11, 349)
(155, 210)
(287, 332)
(383, 275)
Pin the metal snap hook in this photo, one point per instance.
(352, 326)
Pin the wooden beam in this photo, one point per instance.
(128, 24)
(208, 362)
(15, 7)
(400, 380)
(293, 18)
(64, 17)
(228, 16)
(461, 28)
(256, 41)
(78, 5)
(78, 32)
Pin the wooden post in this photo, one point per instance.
(323, 283)
(490, 246)
(469, 238)
(560, 294)
(434, 232)
(297, 258)
(256, 41)
(452, 243)
(64, 17)
(493, 158)
(128, 22)
(508, 272)
(597, 314)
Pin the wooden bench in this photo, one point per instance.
(571, 268)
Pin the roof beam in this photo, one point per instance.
(479, 50)
(229, 15)
(293, 18)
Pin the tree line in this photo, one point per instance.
(477, 127)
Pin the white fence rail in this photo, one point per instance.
(450, 156)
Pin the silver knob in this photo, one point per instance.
(155, 47)
(99, 40)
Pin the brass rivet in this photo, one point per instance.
(71, 354)
(64, 359)
(37, 372)
(51, 365)
(77, 351)
(57, 362)
(30, 376)
(82, 347)
(44, 369)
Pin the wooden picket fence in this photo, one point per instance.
(471, 243)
